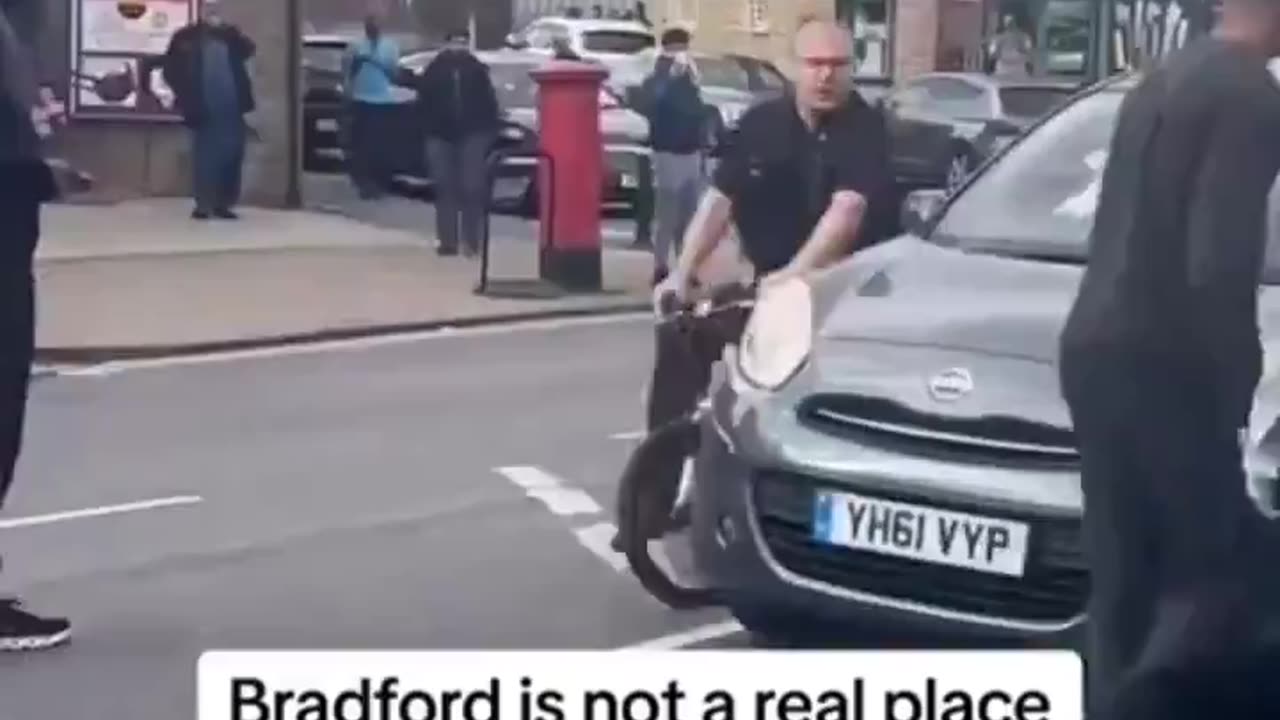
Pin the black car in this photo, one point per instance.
(944, 124)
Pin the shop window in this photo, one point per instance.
(872, 22)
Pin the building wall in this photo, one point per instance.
(724, 25)
(141, 158)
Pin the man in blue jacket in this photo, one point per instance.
(206, 65)
(372, 74)
(26, 183)
(679, 135)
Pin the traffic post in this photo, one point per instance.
(571, 177)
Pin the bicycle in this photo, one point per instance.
(651, 501)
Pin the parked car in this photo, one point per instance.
(601, 40)
(725, 81)
(624, 134)
(764, 79)
(943, 124)
(323, 106)
(889, 448)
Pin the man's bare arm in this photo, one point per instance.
(706, 229)
(834, 235)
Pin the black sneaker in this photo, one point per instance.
(199, 214)
(21, 631)
(226, 214)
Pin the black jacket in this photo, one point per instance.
(182, 68)
(679, 121)
(23, 171)
(456, 96)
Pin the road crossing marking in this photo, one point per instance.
(598, 540)
(684, 639)
(564, 501)
(548, 489)
(154, 504)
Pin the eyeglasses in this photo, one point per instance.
(833, 63)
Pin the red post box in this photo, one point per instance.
(569, 186)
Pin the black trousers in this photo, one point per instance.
(20, 230)
(1179, 553)
(372, 129)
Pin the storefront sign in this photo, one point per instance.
(116, 52)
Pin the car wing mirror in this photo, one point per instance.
(920, 208)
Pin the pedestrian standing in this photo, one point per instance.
(679, 122)
(372, 68)
(1011, 49)
(28, 183)
(206, 66)
(459, 107)
(1161, 355)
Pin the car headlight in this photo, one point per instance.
(778, 336)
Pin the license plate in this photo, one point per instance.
(914, 532)
(327, 125)
(629, 182)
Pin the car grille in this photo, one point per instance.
(1053, 588)
(989, 440)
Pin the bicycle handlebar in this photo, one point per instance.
(718, 299)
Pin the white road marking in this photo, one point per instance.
(550, 491)
(684, 639)
(99, 511)
(629, 436)
(306, 348)
(598, 540)
(564, 501)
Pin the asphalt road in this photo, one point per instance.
(444, 493)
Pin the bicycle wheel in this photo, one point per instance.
(653, 520)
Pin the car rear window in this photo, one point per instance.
(1032, 102)
(616, 41)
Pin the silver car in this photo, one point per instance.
(889, 447)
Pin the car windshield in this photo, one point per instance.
(616, 41)
(723, 73)
(1038, 199)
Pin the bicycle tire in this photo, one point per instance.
(637, 525)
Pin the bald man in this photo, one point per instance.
(805, 180)
(1160, 359)
(805, 177)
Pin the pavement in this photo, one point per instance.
(141, 278)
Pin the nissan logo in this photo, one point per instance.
(950, 385)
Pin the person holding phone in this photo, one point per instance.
(372, 69)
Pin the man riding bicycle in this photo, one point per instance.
(804, 178)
